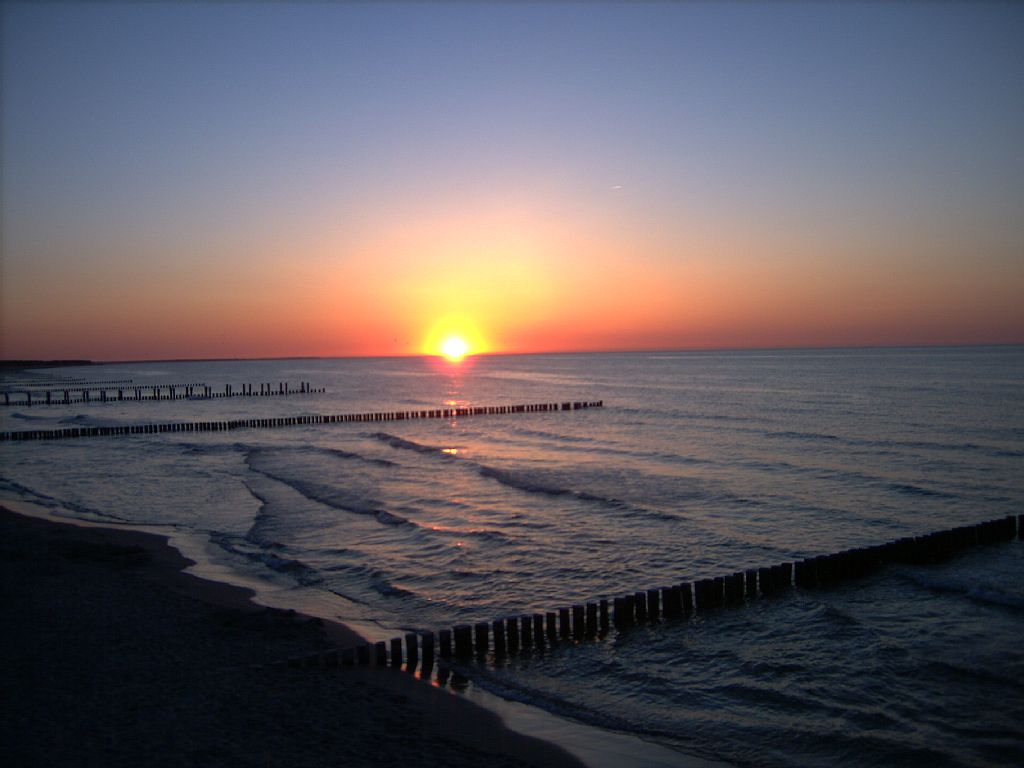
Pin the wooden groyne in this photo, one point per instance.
(194, 391)
(290, 421)
(58, 383)
(493, 641)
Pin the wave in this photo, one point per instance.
(387, 589)
(204, 449)
(331, 496)
(556, 436)
(995, 597)
(371, 577)
(483, 534)
(510, 689)
(298, 570)
(350, 455)
(982, 595)
(387, 518)
(27, 416)
(835, 615)
(528, 482)
(532, 484)
(56, 505)
(803, 435)
(82, 419)
(263, 519)
(968, 674)
(258, 453)
(933, 445)
(409, 445)
(915, 490)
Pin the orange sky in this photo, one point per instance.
(510, 283)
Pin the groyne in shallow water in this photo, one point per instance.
(509, 636)
(95, 393)
(289, 421)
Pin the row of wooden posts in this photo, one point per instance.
(574, 624)
(198, 391)
(289, 421)
(58, 382)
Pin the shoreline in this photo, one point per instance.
(180, 558)
(119, 657)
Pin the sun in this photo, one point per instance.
(454, 338)
(454, 348)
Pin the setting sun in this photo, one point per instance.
(454, 337)
(454, 348)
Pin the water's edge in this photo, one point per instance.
(596, 747)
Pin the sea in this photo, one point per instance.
(699, 464)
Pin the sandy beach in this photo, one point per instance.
(114, 656)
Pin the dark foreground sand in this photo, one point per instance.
(113, 657)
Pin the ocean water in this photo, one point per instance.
(700, 464)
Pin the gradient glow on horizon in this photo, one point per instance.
(247, 180)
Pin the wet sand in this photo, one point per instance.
(115, 657)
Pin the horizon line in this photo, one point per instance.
(71, 362)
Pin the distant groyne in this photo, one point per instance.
(100, 392)
(290, 421)
(568, 625)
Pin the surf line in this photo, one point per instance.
(494, 641)
(291, 421)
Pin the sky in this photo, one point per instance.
(234, 179)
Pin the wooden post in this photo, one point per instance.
(498, 630)
(786, 571)
(591, 619)
(800, 573)
(734, 588)
(380, 653)
(619, 604)
(551, 626)
(564, 631)
(672, 602)
(482, 643)
(363, 654)
(578, 630)
(653, 604)
(512, 633)
(445, 636)
(751, 582)
(538, 630)
(686, 589)
(640, 607)
(603, 608)
(526, 634)
(703, 590)
(463, 641)
(427, 639)
(396, 652)
(719, 591)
